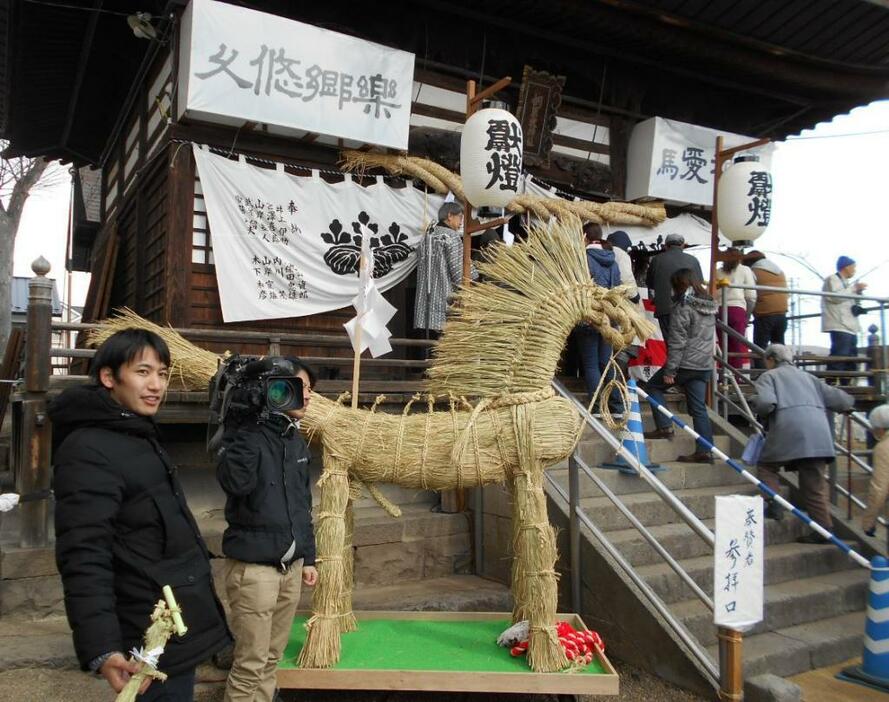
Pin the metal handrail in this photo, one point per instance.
(662, 490)
(882, 302)
(707, 663)
(818, 293)
(703, 658)
(646, 534)
(857, 417)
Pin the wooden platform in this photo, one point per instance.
(494, 670)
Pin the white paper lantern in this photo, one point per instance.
(491, 158)
(744, 200)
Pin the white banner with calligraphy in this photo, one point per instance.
(289, 246)
(674, 161)
(238, 65)
(738, 565)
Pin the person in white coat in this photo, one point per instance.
(839, 318)
(740, 302)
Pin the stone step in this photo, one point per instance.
(784, 562)
(790, 603)
(651, 510)
(47, 643)
(676, 476)
(681, 542)
(595, 451)
(795, 649)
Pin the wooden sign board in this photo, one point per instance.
(539, 100)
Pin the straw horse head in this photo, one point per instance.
(501, 423)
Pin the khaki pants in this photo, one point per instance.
(812, 486)
(262, 603)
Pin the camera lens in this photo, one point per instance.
(280, 394)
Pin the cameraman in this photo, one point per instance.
(263, 468)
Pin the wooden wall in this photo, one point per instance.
(153, 203)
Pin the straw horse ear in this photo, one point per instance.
(506, 334)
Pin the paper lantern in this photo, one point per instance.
(744, 200)
(491, 158)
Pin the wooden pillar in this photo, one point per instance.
(32, 475)
(731, 665)
(180, 225)
(619, 144)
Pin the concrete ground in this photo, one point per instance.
(821, 685)
(54, 685)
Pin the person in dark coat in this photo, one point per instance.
(661, 270)
(263, 467)
(794, 408)
(123, 528)
(594, 351)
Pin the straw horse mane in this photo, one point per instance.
(505, 334)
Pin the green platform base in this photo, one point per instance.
(442, 651)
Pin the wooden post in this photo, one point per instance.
(473, 100)
(714, 222)
(356, 364)
(33, 475)
(467, 207)
(721, 157)
(731, 665)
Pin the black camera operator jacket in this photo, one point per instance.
(264, 471)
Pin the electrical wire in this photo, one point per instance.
(836, 136)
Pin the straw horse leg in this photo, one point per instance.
(347, 616)
(322, 647)
(534, 543)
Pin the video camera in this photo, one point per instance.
(251, 388)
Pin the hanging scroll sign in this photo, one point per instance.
(491, 158)
(539, 101)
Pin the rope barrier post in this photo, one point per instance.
(731, 665)
(874, 668)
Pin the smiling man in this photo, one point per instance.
(123, 528)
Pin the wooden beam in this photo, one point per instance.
(581, 144)
(300, 153)
(85, 49)
(180, 225)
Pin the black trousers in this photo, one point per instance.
(768, 329)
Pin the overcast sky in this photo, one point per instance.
(830, 198)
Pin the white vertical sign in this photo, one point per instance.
(738, 562)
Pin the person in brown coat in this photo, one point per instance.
(770, 311)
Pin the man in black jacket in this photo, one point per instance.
(661, 270)
(123, 528)
(264, 470)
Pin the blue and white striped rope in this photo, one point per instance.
(765, 489)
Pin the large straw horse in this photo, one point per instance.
(500, 349)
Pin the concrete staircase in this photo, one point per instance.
(815, 596)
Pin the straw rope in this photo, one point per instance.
(441, 180)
